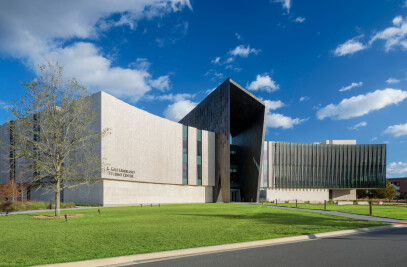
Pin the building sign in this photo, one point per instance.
(120, 172)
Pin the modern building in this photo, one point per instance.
(401, 186)
(216, 153)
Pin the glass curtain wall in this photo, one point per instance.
(199, 157)
(185, 154)
(298, 165)
(265, 165)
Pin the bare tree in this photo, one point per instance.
(56, 135)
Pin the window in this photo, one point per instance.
(199, 157)
(185, 154)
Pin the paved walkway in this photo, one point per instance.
(336, 213)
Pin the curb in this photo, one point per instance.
(155, 256)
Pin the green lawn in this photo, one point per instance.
(133, 230)
(395, 211)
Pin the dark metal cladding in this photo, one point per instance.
(213, 114)
(228, 111)
(328, 166)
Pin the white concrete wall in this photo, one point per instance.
(343, 194)
(205, 158)
(299, 194)
(141, 142)
(211, 159)
(150, 147)
(125, 192)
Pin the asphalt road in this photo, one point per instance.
(380, 248)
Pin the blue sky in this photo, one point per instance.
(326, 69)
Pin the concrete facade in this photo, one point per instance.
(344, 194)
(143, 158)
(297, 194)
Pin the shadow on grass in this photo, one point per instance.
(290, 219)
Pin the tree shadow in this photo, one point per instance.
(288, 219)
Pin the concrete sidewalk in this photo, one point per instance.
(336, 213)
(164, 255)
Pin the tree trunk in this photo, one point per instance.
(58, 199)
(13, 191)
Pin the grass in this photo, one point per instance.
(132, 230)
(389, 210)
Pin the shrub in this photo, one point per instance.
(306, 202)
(31, 205)
(5, 206)
(286, 201)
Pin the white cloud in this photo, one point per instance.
(397, 130)
(4, 105)
(243, 51)
(357, 126)
(210, 90)
(162, 83)
(398, 20)
(276, 120)
(300, 19)
(238, 36)
(397, 168)
(373, 139)
(347, 88)
(178, 110)
(216, 60)
(393, 36)
(263, 82)
(304, 98)
(170, 97)
(362, 104)
(392, 80)
(39, 31)
(286, 4)
(349, 47)
(273, 105)
(404, 4)
(181, 106)
(214, 75)
(84, 61)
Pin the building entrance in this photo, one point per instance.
(235, 195)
